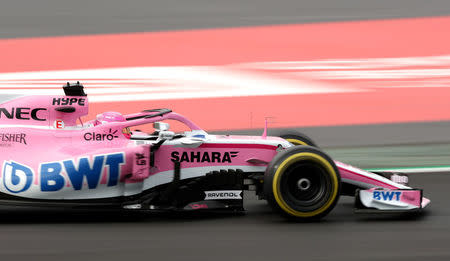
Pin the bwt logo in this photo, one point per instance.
(18, 177)
(387, 195)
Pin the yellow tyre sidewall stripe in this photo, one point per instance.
(297, 142)
(288, 162)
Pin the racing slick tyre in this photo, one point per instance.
(297, 138)
(302, 183)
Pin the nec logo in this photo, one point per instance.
(22, 113)
(69, 101)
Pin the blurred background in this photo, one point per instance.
(367, 80)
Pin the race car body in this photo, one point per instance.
(49, 157)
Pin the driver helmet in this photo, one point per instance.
(112, 116)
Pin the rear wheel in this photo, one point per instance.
(302, 182)
(297, 138)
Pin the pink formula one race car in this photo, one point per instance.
(50, 158)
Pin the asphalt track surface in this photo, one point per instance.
(260, 234)
(257, 235)
(35, 18)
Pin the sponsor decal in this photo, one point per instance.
(94, 136)
(59, 124)
(280, 148)
(9, 138)
(141, 160)
(223, 194)
(387, 195)
(69, 101)
(400, 179)
(18, 177)
(140, 170)
(198, 206)
(134, 206)
(197, 156)
(21, 113)
(409, 197)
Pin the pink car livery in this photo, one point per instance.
(49, 157)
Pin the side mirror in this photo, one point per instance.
(165, 135)
(161, 126)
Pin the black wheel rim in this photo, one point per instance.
(306, 198)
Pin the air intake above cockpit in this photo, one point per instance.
(74, 89)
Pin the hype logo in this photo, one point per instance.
(16, 177)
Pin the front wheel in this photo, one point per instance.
(302, 182)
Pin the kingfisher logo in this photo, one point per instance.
(13, 138)
(18, 177)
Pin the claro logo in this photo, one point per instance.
(93, 136)
(22, 113)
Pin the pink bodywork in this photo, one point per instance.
(409, 197)
(56, 137)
